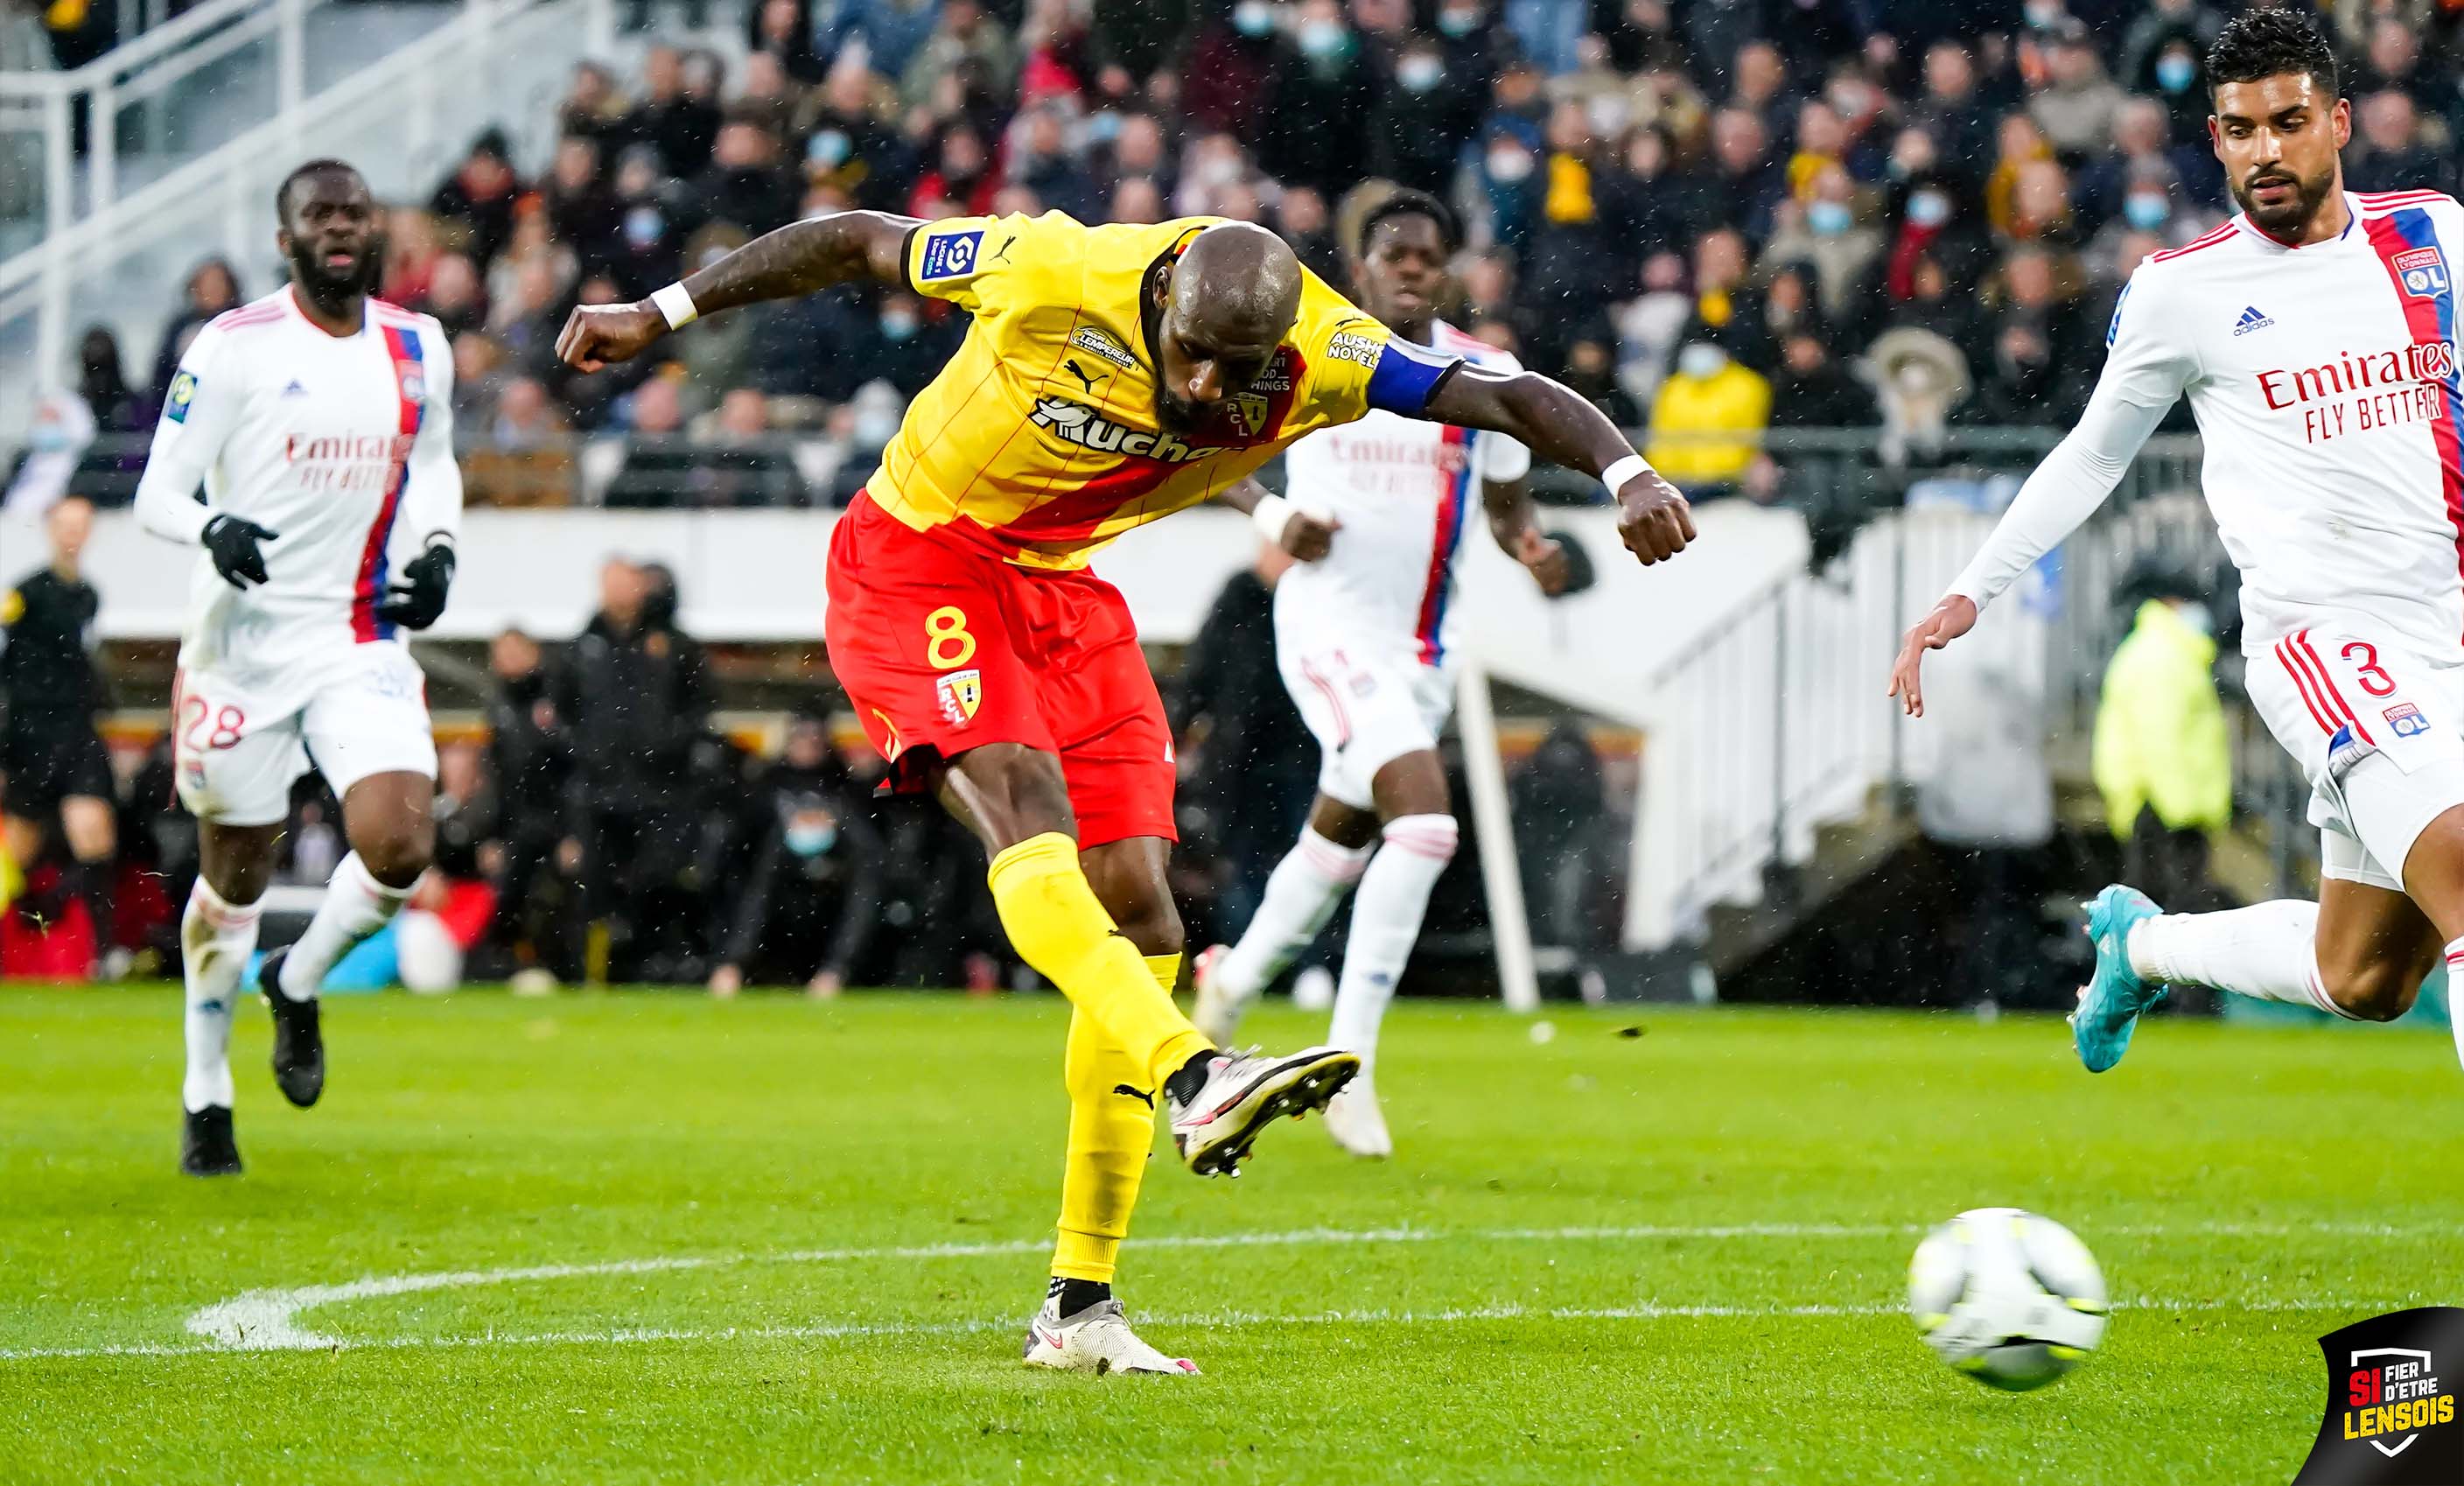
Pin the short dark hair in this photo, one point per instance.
(318, 167)
(2269, 43)
(1407, 201)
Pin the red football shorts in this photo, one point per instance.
(943, 648)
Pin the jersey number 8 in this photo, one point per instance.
(947, 643)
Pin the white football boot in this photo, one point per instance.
(1356, 1122)
(1244, 1092)
(1097, 1340)
(1216, 1011)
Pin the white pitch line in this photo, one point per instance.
(1199, 1320)
(268, 1319)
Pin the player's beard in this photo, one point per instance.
(1177, 414)
(332, 290)
(2286, 221)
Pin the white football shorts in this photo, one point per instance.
(1368, 705)
(240, 739)
(2378, 729)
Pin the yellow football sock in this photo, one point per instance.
(1057, 926)
(1111, 1132)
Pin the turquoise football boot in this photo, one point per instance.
(2114, 999)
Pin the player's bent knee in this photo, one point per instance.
(1429, 835)
(2378, 991)
(1155, 927)
(396, 857)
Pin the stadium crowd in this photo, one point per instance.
(1711, 217)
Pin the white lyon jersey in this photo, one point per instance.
(2324, 379)
(343, 446)
(1405, 491)
(1361, 635)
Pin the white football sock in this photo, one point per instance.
(356, 906)
(1301, 895)
(1385, 920)
(2267, 950)
(215, 941)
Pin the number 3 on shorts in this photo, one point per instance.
(2373, 676)
(947, 643)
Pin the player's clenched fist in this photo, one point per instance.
(1653, 518)
(597, 334)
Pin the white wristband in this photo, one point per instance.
(1615, 476)
(1272, 515)
(676, 305)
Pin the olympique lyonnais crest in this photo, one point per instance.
(2422, 272)
(2390, 1416)
(960, 693)
(415, 383)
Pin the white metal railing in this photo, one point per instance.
(143, 72)
(402, 119)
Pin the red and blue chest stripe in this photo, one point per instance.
(1455, 472)
(2427, 300)
(409, 362)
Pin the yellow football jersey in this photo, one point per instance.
(1039, 440)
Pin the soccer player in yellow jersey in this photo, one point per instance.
(1112, 376)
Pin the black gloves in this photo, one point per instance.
(234, 542)
(416, 602)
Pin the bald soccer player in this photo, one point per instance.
(1112, 376)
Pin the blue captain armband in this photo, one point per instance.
(1404, 376)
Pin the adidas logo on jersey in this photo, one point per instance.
(2250, 319)
(295, 389)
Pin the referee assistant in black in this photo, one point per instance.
(52, 760)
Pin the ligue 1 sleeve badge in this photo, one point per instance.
(2390, 1416)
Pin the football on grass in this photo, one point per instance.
(2011, 1299)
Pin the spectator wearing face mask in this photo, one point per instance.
(1424, 120)
(1511, 185)
(1230, 71)
(1322, 108)
(1475, 41)
(1935, 222)
(2178, 75)
(1826, 231)
(649, 244)
(810, 905)
(2161, 51)
(1707, 420)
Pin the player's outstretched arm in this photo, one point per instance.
(2148, 362)
(1559, 425)
(1305, 534)
(802, 257)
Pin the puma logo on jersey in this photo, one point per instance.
(1072, 367)
(1142, 1096)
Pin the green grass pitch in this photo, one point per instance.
(777, 1241)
